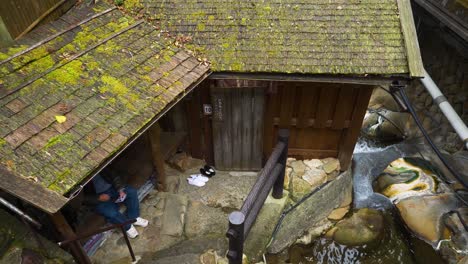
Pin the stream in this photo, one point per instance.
(397, 245)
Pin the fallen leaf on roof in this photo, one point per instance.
(60, 119)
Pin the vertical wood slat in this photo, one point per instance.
(258, 114)
(287, 105)
(351, 134)
(227, 130)
(236, 128)
(247, 127)
(217, 99)
(343, 104)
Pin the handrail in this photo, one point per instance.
(271, 177)
(104, 229)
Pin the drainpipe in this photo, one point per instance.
(446, 108)
(19, 212)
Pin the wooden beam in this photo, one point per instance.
(368, 80)
(31, 192)
(65, 230)
(351, 134)
(413, 53)
(154, 134)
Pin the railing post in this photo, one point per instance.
(283, 136)
(236, 237)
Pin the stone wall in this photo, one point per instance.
(448, 67)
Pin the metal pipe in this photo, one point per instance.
(457, 123)
(19, 212)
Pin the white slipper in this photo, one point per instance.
(200, 177)
(195, 182)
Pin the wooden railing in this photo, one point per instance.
(271, 177)
(101, 230)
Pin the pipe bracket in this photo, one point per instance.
(440, 99)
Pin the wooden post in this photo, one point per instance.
(236, 237)
(67, 232)
(154, 134)
(283, 136)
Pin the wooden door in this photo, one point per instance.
(238, 127)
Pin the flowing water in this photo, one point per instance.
(397, 244)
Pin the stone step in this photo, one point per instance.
(173, 218)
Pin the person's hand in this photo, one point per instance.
(104, 197)
(122, 194)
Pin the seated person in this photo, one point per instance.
(111, 192)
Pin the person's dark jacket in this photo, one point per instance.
(113, 177)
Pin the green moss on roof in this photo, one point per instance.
(315, 37)
(107, 95)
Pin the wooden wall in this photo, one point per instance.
(17, 15)
(324, 119)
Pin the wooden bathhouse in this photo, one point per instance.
(216, 78)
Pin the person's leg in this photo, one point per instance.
(110, 211)
(132, 203)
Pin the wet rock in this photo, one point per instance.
(338, 213)
(457, 229)
(202, 220)
(314, 232)
(315, 177)
(313, 163)
(330, 165)
(298, 167)
(313, 210)
(174, 215)
(365, 226)
(385, 125)
(209, 257)
(423, 214)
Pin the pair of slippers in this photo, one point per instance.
(197, 180)
(208, 171)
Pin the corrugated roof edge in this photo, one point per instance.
(410, 35)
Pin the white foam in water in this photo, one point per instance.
(364, 146)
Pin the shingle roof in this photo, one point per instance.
(109, 77)
(289, 36)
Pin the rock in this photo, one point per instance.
(331, 165)
(457, 229)
(174, 215)
(313, 163)
(423, 214)
(216, 194)
(300, 188)
(13, 255)
(298, 167)
(262, 230)
(382, 99)
(179, 259)
(338, 213)
(347, 197)
(365, 226)
(209, 257)
(385, 125)
(314, 232)
(315, 177)
(180, 161)
(202, 220)
(287, 178)
(313, 210)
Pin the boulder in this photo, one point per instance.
(313, 163)
(331, 165)
(338, 213)
(313, 210)
(300, 188)
(298, 167)
(315, 177)
(423, 214)
(384, 125)
(365, 226)
(314, 232)
(382, 99)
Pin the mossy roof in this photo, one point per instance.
(355, 37)
(110, 77)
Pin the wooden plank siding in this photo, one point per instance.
(324, 119)
(20, 14)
